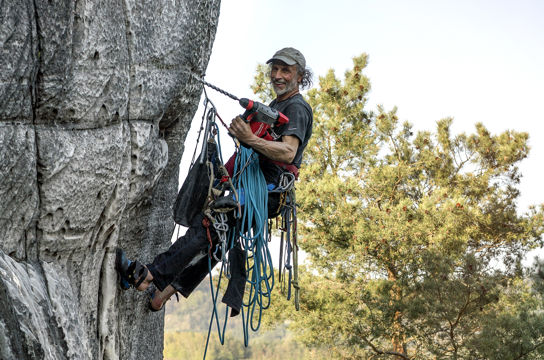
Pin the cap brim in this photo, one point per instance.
(286, 60)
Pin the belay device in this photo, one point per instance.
(243, 232)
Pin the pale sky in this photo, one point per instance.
(475, 61)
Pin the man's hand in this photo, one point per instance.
(241, 130)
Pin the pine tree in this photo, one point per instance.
(414, 239)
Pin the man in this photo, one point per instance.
(184, 265)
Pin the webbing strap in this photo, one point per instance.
(206, 224)
(289, 167)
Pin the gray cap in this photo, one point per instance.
(290, 56)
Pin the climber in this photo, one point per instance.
(185, 264)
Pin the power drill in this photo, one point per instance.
(261, 117)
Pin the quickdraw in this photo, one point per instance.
(288, 238)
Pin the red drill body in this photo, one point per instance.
(261, 117)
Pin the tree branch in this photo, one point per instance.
(523, 354)
(384, 352)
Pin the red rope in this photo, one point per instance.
(222, 122)
(206, 223)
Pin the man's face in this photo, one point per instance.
(284, 78)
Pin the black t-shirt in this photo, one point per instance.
(300, 123)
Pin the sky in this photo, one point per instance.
(474, 61)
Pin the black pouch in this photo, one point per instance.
(234, 294)
(274, 208)
(194, 191)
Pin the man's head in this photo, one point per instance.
(289, 56)
(288, 72)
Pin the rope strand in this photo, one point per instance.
(253, 235)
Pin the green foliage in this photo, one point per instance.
(262, 86)
(186, 330)
(183, 345)
(190, 346)
(512, 328)
(414, 239)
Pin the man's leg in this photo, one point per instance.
(160, 297)
(187, 250)
(186, 281)
(193, 275)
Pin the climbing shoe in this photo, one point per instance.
(130, 272)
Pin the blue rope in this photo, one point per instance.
(252, 232)
(215, 313)
(215, 294)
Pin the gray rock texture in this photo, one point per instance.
(96, 98)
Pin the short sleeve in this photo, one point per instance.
(299, 120)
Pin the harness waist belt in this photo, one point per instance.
(289, 167)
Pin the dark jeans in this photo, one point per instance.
(185, 264)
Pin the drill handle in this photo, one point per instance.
(248, 115)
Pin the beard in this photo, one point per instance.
(289, 86)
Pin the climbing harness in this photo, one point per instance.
(288, 244)
(242, 245)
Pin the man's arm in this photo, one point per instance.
(283, 151)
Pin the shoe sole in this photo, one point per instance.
(123, 282)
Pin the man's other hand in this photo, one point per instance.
(241, 130)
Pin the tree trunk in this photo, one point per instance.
(398, 338)
(96, 98)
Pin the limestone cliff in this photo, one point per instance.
(96, 98)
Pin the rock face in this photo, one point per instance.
(96, 98)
